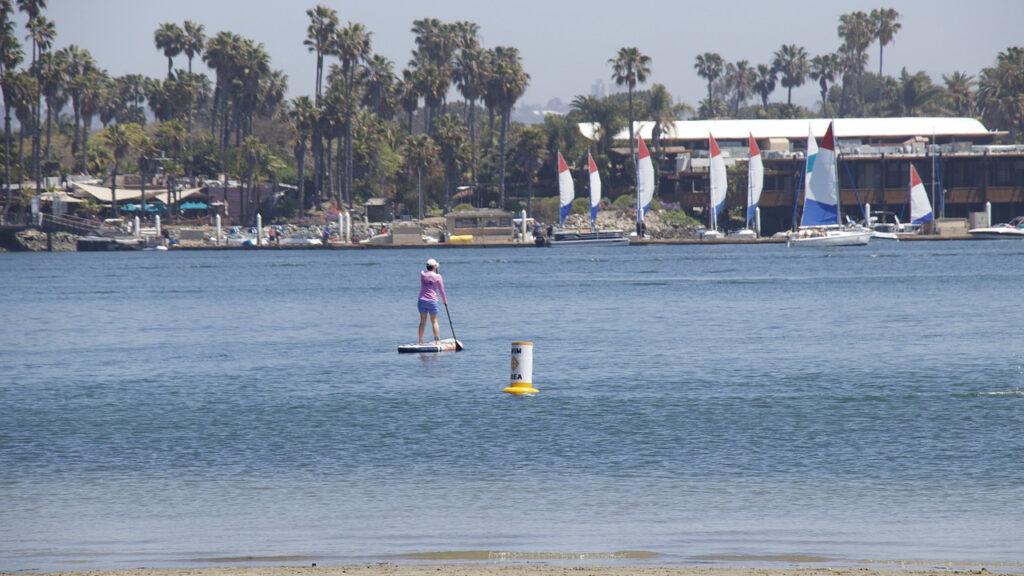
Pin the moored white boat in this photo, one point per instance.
(580, 237)
(1013, 230)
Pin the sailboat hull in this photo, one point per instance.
(832, 238)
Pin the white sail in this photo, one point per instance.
(755, 180)
(719, 181)
(920, 207)
(645, 180)
(821, 203)
(595, 189)
(566, 193)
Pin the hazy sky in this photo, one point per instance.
(565, 45)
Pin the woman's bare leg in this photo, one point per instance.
(433, 324)
(423, 322)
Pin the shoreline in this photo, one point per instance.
(755, 566)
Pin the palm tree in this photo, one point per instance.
(851, 65)
(604, 113)
(791, 61)
(380, 85)
(419, 152)
(664, 112)
(11, 56)
(303, 115)
(471, 77)
(95, 83)
(740, 77)
(80, 68)
(408, 95)
(449, 134)
(999, 91)
(917, 94)
(120, 140)
(709, 66)
(323, 22)
(170, 39)
(764, 84)
(823, 70)
(960, 92)
(857, 31)
(42, 32)
(629, 68)
(352, 46)
(193, 45)
(54, 77)
(509, 82)
(885, 24)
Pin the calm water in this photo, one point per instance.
(703, 403)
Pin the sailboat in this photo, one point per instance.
(755, 182)
(644, 184)
(820, 222)
(719, 185)
(566, 195)
(886, 225)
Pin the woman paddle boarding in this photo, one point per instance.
(431, 290)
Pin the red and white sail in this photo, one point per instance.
(719, 181)
(755, 179)
(920, 207)
(566, 191)
(644, 180)
(595, 189)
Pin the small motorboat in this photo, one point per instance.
(1013, 230)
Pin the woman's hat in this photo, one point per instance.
(432, 263)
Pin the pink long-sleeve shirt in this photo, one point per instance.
(432, 285)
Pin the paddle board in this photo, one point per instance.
(446, 345)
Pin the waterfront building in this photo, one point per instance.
(958, 159)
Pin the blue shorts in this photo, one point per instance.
(426, 306)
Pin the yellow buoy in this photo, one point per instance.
(521, 380)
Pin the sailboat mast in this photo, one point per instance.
(835, 168)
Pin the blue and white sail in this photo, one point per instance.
(566, 193)
(755, 180)
(821, 202)
(595, 190)
(812, 153)
(644, 180)
(920, 207)
(719, 182)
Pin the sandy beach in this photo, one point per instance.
(525, 569)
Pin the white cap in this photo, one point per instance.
(432, 263)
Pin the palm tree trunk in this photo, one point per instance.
(632, 137)
(410, 122)
(319, 75)
(419, 190)
(330, 174)
(36, 53)
(86, 121)
(188, 155)
(472, 142)
(789, 97)
(49, 129)
(21, 154)
(505, 114)
(881, 49)
(170, 67)
(214, 111)
(301, 162)
(113, 189)
(7, 157)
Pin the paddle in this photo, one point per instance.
(458, 345)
